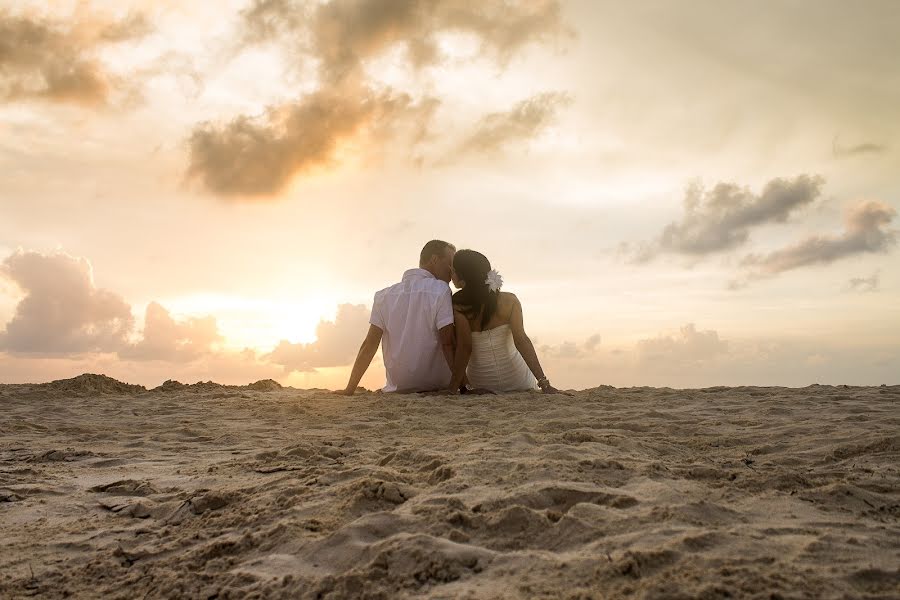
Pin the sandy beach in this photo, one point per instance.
(211, 491)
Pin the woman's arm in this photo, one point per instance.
(463, 350)
(526, 348)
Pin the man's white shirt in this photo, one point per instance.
(410, 313)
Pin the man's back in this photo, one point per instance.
(410, 313)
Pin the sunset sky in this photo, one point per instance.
(680, 193)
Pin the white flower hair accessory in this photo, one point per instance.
(494, 280)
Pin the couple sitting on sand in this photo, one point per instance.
(469, 341)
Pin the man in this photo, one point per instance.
(413, 320)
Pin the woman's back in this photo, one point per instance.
(490, 331)
(496, 363)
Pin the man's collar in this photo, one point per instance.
(418, 273)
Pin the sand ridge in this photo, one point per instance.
(210, 491)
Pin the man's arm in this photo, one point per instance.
(448, 343)
(443, 320)
(463, 352)
(364, 358)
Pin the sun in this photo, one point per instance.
(257, 323)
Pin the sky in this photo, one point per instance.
(680, 194)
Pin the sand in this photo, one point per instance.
(211, 491)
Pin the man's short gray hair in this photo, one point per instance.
(433, 248)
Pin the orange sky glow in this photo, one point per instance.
(215, 190)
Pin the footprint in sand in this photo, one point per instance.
(126, 487)
(67, 455)
(559, 498)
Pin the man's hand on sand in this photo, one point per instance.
(351, 391)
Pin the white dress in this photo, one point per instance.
(496, 364)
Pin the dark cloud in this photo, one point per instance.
(592, 342)
(865, 232)
(720, 219)
(44, 59)
(164, 338)
(336, 342)
(523, 121)
(269, 20)
(62, 311)
(688, 346)
(864, 148)
(342, 34)
(258, 157)
(864, 284)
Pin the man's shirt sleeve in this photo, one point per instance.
(377, 319)
(444, 312)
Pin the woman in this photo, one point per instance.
(490, 336)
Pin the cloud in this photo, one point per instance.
(256, 157)
(864, 148)
(865, 232)
(267, 20)
(62, 311)
(180, 67)
(523, 121)
(343, 34)
(55, 61)
(864, 284)
(721, 219)
(164, 338)
(65, 325)
(572, 350)
(336, 345)
(687, 346)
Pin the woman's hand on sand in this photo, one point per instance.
(549, 389)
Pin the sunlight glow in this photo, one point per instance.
(258, 323)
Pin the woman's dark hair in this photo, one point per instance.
(472, 267)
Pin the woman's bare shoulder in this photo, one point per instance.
(506, 305)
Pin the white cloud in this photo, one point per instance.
(572, 350)
(62, 311)
(164, 338)
(336, 345)
(687, 346)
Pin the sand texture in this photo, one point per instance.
(211, 491)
